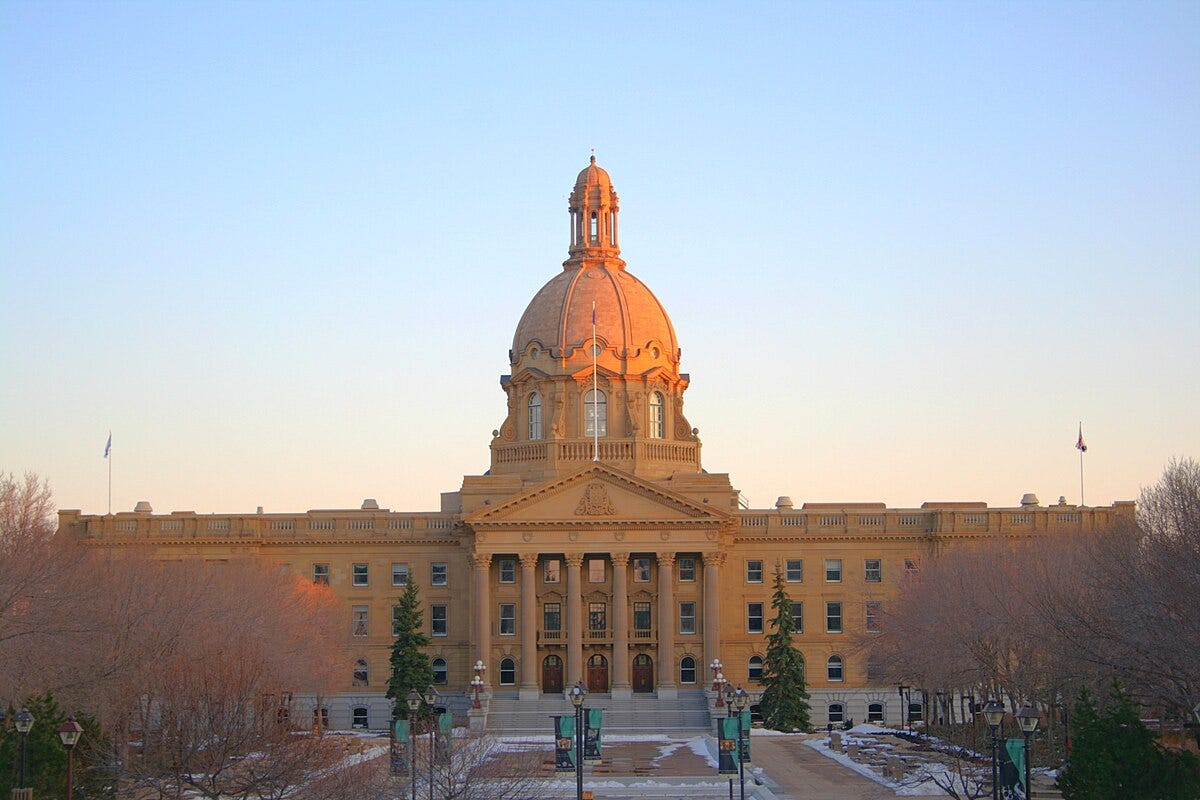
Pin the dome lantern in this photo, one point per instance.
(594, 207)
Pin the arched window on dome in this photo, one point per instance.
(594, 230)
(658, 425)
(595, 414)
(535, 416)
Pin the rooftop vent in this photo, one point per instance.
(783, 502)
(1029, 499)
(143, 507)
(370, 505)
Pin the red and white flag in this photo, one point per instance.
(1079, 444)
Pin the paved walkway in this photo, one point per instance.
(804, 774)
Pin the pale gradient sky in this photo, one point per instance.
(280, 249)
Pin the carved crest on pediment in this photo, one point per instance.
(595, 502)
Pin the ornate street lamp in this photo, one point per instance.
(1027, 718)
(578, 693)
(716, 666)
(740, 700)
(69, 733)
(431, 698)
(904, 697)
(24, 723)
(413, 699)
(477, 682)
(730, 696)
(993, 712)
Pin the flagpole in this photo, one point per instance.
(1082, 448)
(595, 393)
(108, 458)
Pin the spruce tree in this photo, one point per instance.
(410, 663)
(784, 703)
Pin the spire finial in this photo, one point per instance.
(593, 155)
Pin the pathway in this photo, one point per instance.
(804, 774)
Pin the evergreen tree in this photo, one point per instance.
(784, 703)
(410, 664)
(1114, 755)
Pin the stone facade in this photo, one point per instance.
(596, 547)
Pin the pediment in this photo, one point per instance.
(597, 495)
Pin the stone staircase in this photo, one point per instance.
(1044, 789)
(686, 715)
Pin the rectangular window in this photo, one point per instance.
(687, 618)
(508, 619)
(597, 616)
(795, 570)
(754, 617)
(641, 570)
(833, 617)
(641, 616)
(874, 615)
(399, 574)
(833, 570)
(321, 573)
(508, 570)
(873, 570)
(395, 620)
(595, 570)
(687, 570)
(439, 619)
(552, 617)
(754, 571)
(360, 615)
(439, 574)
(798, 616)
(362, 574)
(551, 570)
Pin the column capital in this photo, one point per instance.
(666, 560)
(481, 560)
(529, 560)
(620, 559)
(574, 559)
(715, 558)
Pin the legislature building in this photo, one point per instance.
(597, 547)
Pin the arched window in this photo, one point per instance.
(755, 669)
(594, 231)
(687, 670)
(835, 668)
(916, 711)
(658, 426)
(837, 712)
(508, 672)
(875, 712)
(359, 717)
(595, 414)
(361, 673)
(439, 670)
(535, 416)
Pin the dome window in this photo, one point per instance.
(595, 414)
(657, 422)
(594, 229)
(535, 416)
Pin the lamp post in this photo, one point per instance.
(477, 682)
(578, 693)
(716, 666)
(24, 722)
(904, 695)
(431, 699)
(730, 696)
(1027, 718)
(69, 733)
(993, 712)
(413, 699)
(740, 700)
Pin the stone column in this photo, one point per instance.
(666, 626)
(574, 620)
(620, 652)
(712, 606)
(482, 562)
(529, 655)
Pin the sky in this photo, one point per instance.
(280, 249)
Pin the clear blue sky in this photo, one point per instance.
(280, 249)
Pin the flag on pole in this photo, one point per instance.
(108, 445)
(1079, 444)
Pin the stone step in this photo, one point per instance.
(508, 715)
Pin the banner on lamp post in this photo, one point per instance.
(564, 743)
(1012, 769)
(591, 735)
(727, 746)
(745, 741)
(445, 736)
(399, 747)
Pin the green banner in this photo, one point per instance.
(400, 730)
(591, 735)
(564, 743)
(746, 737)
(399, 747)
(1016, 755)
(445, 735)
(727, 746)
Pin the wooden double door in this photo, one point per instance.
(552, 674)
(643, 673)
(597, 673)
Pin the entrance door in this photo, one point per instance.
(552, 675)
(643, 673)
(597, 674)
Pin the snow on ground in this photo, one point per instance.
(921, 784)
